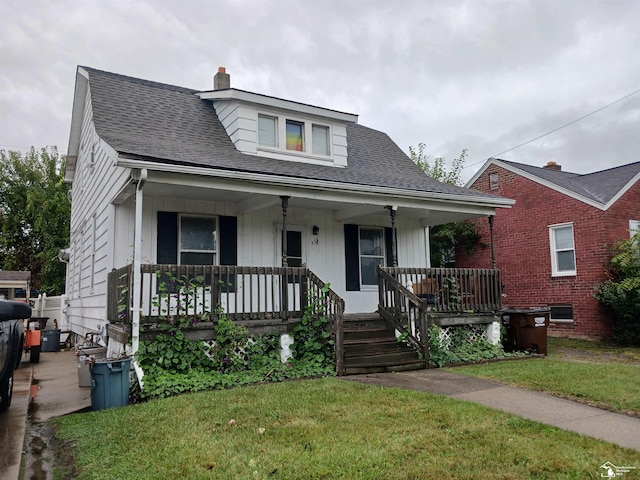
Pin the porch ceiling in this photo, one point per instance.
(344, 207)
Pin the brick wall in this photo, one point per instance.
(521, 239)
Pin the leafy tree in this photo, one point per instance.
(444, 238)
(621, 291)
(34, 216)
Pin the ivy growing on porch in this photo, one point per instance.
(174, 363)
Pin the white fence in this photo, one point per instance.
(52, 307)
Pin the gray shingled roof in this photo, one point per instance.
(14, 276)
(599, 186)
(168, 124)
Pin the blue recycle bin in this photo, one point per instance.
(110, 383)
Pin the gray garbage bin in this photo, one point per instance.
(110, 383)
(86, 356)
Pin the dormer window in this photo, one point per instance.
(296, 136)
(320, 135)
(267, 131)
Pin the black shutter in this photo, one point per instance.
(228, 228)
(388, 245)
(352, 257)
(167, 238)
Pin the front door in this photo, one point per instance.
(289, 298)
(295, 251)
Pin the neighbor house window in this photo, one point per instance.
(563, 257)
(197, 245)
(320, 137)
(561, 313)
(267, 131)
(493, 181)
(371, 254)
(634, 227)
(295, 135)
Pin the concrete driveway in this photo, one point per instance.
(53, 387)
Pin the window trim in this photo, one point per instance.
(634, 227)
(555, 272)
(215, 251)
(367, 286)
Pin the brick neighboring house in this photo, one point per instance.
(554, 245)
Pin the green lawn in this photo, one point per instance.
(325, 429)
(589, 372)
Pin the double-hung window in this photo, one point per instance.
(268, 131)
(371, 254)
(563, 255)
(320, 136)
(197, 245)
(634, 227)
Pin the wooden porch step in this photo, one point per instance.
(370, 346)
(368, 333)
(384, 345)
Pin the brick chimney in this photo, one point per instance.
(221, 80)
(553, 166)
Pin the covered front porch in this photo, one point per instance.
(270, 300)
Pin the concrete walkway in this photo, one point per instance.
(594, 422)
(41, 391)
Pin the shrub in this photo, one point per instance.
(621, 291)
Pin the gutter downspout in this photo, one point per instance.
(137, 275)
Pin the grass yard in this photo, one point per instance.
(325, 429)
(588, 372)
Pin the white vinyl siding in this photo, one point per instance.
(563, 257)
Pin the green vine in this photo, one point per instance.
(313, 343)
(175, 364)
(462, 347)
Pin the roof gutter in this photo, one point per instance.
(282, 180)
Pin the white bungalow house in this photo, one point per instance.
(237, 185)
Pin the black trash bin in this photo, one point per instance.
(528, 328)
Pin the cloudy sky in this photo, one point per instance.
(480, 75)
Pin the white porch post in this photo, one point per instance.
(137, 275)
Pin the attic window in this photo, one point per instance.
(280, 134)
(267, 131)
(320, 136)
(295, 135)
(493, 181)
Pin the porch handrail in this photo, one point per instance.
(240, 293)
(334, 310)
(453, 290)
(405, 310)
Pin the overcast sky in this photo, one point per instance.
(481, 75)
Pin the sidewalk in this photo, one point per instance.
(567, 415)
